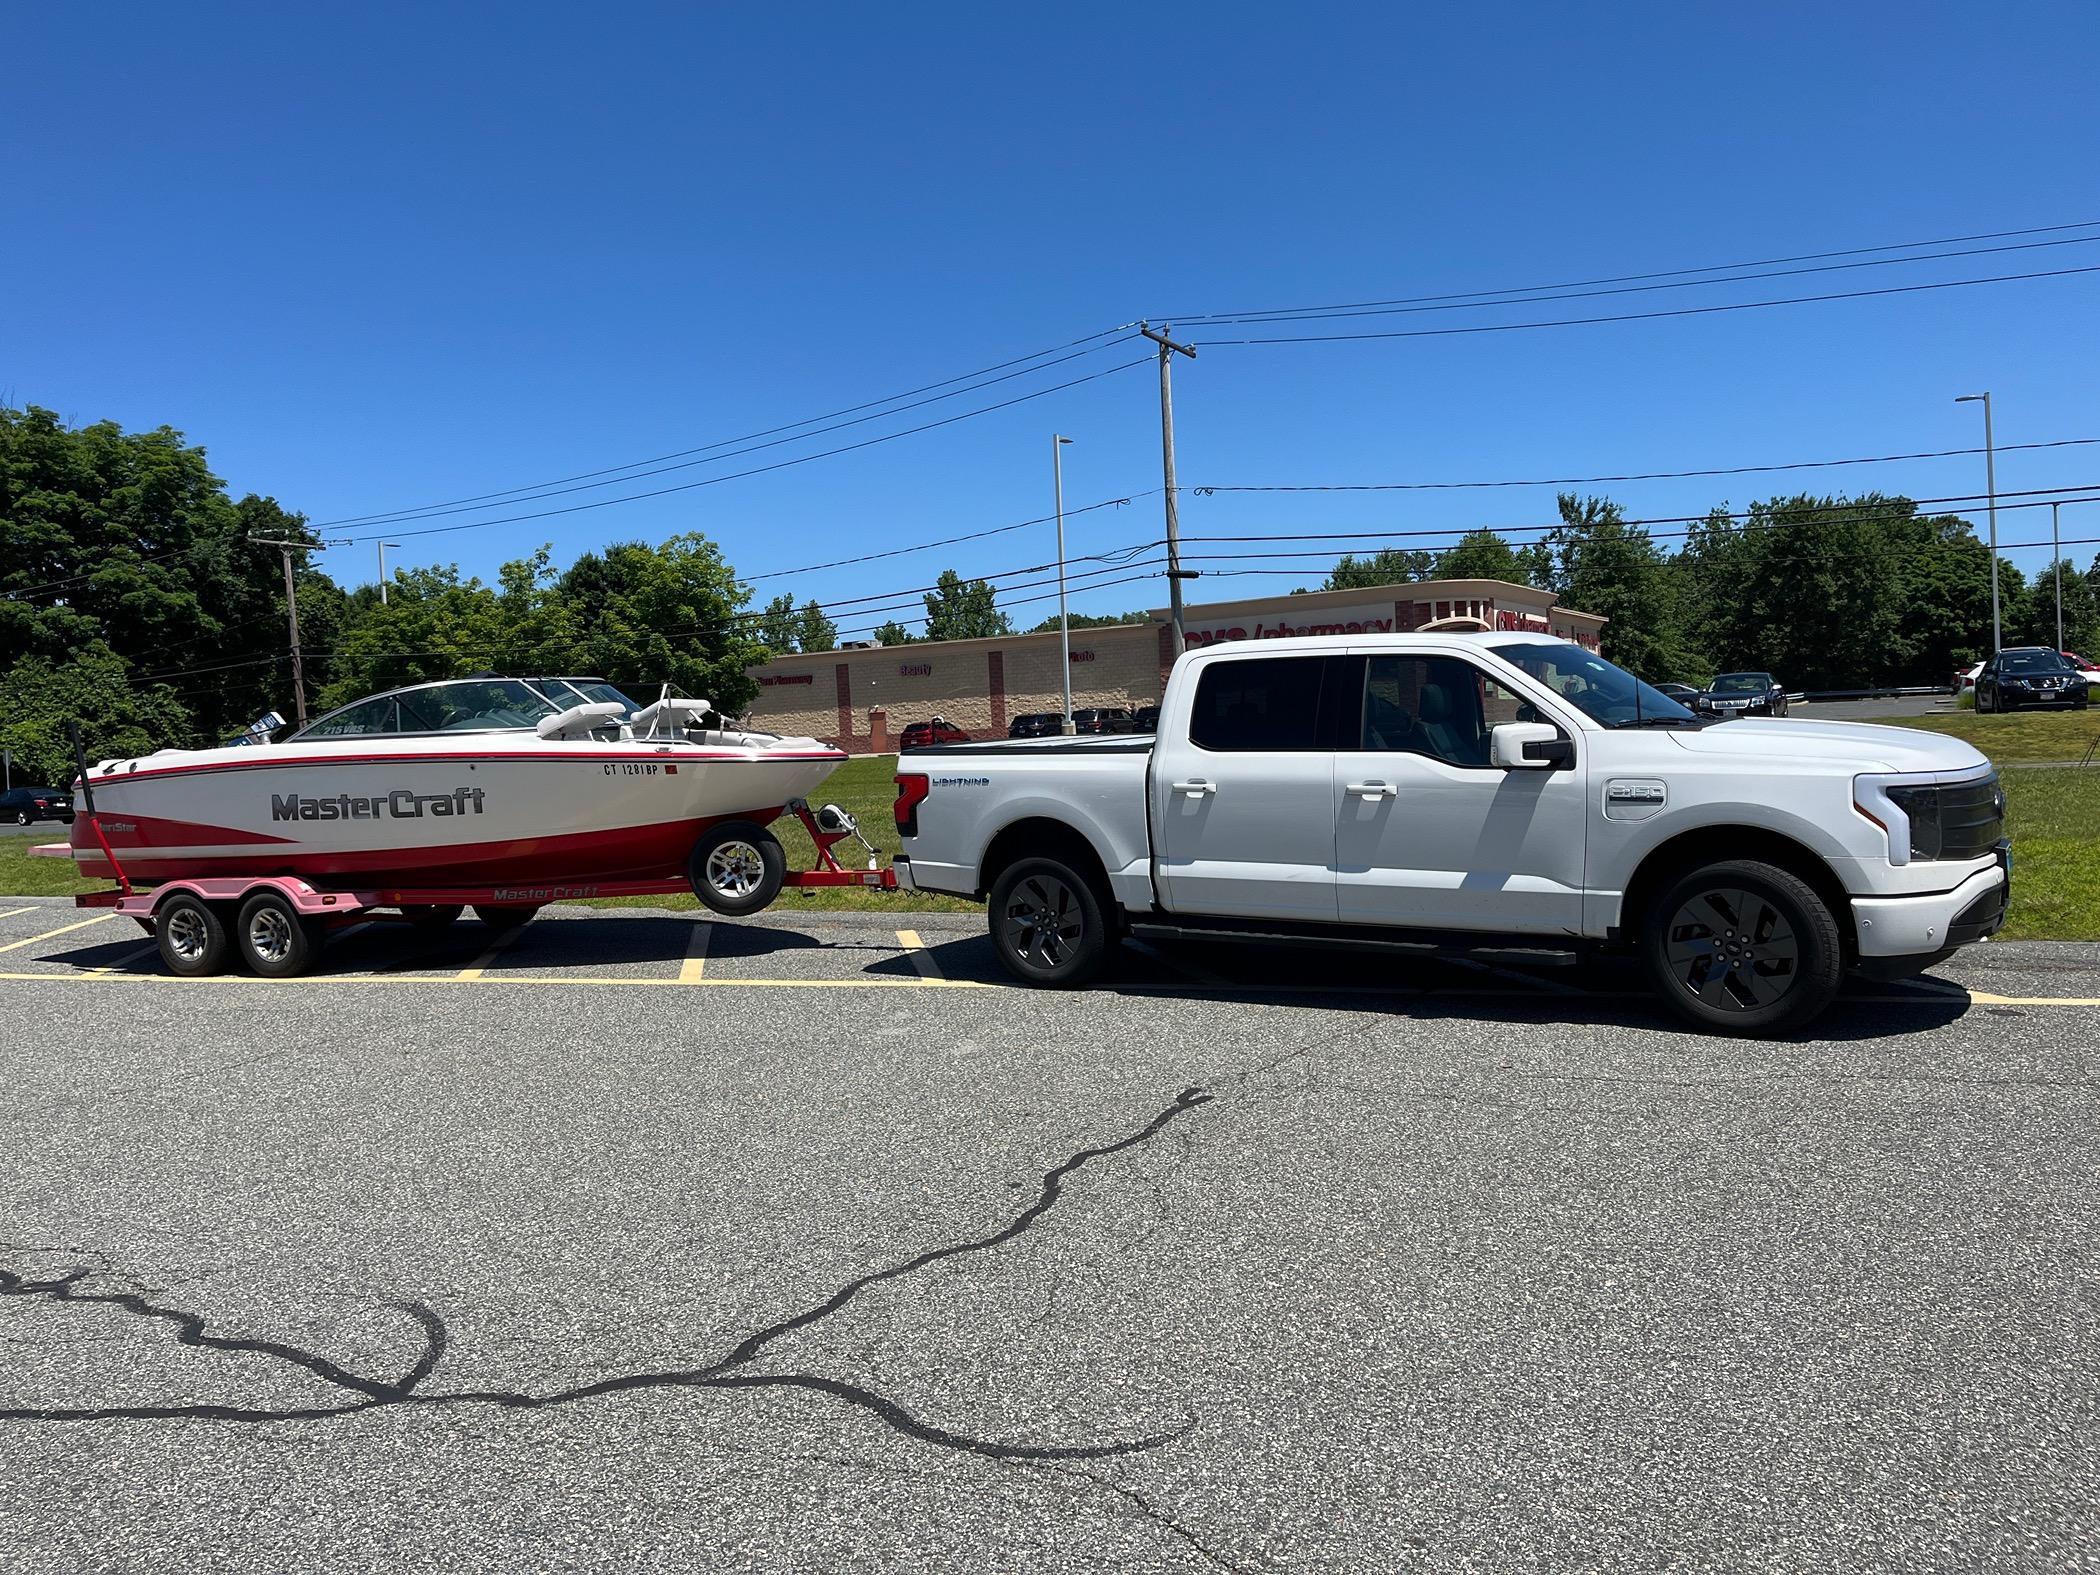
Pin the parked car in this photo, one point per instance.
(1036, 724)
(1743, 694)
(2090, 671)
(1101, 719)
(938, 731)
(1965, 680)
(25, 806)
(1683, 694)
(2030, 675)
(1145, 719)
(1467, 789)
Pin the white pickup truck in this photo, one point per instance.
(1473, 790)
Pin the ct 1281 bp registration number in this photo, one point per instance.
(628, 769)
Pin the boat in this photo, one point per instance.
(547, 784)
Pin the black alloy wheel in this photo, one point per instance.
(1047, 923)
(1743, 947)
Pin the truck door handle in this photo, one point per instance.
(1372, 790)
(1195, 789)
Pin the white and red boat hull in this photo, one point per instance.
(502, 810)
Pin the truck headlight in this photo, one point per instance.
(1921, 806)
(1934, 820)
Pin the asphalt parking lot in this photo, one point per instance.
(807, 1244)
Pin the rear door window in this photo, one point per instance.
(1264, 705)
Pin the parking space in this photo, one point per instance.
(808, 1244)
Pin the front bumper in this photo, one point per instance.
(1936, 922)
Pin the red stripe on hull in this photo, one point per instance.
(650, 852)
(145, 831)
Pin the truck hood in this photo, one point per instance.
(1858, 744)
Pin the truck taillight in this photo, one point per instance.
(912, 788)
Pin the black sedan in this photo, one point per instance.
(1036, 724)
(1683, 694)
(25, 806)
(1742, 694)
(2030, 675)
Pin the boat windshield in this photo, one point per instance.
(471, 705)
(595, 691)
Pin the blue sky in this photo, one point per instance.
(376, 257)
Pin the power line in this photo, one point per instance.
(1634, 317)
(1307, 315)
(978, 535)
(435, 511)
(1187, 318)
(759, 470)
(1647, 475)
(508, 492)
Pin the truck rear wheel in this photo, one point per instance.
(737, 868)
(1047, 924)
(1743, 947)
(191, 936)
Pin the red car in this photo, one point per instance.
(921, 734)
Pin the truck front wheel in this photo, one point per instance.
(1047, 924)
(1743, 947)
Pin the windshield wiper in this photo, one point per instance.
(1662, 721)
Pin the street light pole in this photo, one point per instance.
(1064, 621)
(2056, 568)
(382, 569)
(1990, 481)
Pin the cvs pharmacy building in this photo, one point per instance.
(862, 697)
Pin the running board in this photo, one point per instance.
(1416, 945)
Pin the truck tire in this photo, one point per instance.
(275, 939)
(192, 936)
(504, 917)
(1047, 923)
(1743, 947)
(737, 868)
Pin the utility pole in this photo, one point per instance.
(1168, 349)
(2056, 568)
(291, 613)
(1064, 621)
(1990, 482)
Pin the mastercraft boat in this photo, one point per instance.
(542, 782)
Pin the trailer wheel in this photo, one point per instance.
(1047, 924)
(275, 938)
(192, 936)
(432, 916)
(502, 919)
(737, 868)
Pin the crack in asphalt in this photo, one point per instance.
(72, 1288)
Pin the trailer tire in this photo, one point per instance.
(275, 939)
(504, 919)
(432, 916)
(737, 868)
(192, 936)
(1047, 924)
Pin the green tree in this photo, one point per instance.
(1482, 555)
(1601, 564)
(1392, 566)
(893, 633)
(777, 624)
(117, 716)
(1090, 621)
(959, 609)
(671, 614)
(814, 631)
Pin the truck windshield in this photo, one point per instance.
(1608, 694)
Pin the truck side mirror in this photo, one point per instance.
(1530, 746)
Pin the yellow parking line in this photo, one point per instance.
(481, 964)
(1982, 999)
(622, 981)
(63, 929)
(921, 959)
(694, 969)
(125, 961)
(11, 912)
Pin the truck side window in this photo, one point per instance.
(1265, 704)
(1432, 705)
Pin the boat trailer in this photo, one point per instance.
(278, 923)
